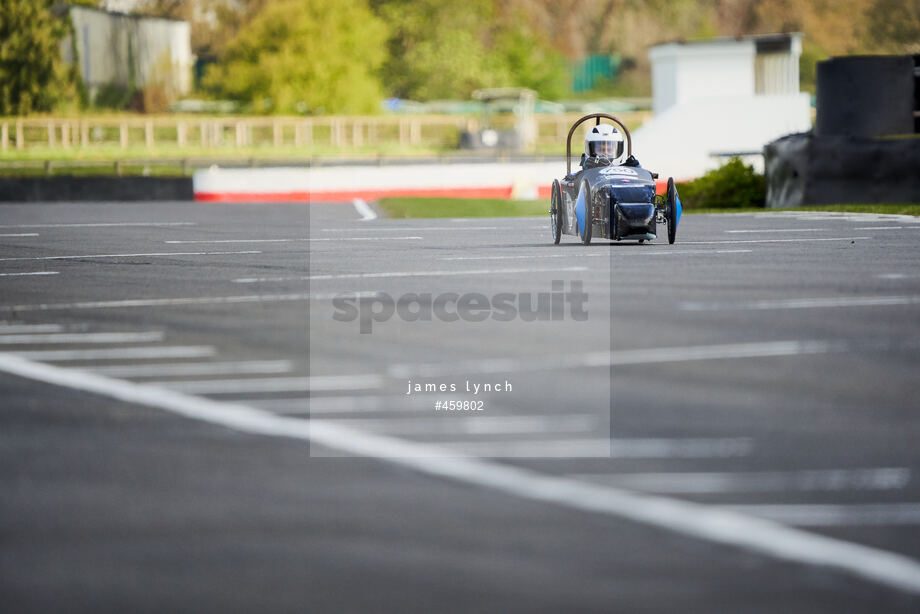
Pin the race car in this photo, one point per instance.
(612, 196)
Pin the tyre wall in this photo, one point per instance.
(805, 169)
(865, 96)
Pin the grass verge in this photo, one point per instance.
(882, 208)
(879, 208)
(98, 170)
(398, 207)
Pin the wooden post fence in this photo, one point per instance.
(222, 132)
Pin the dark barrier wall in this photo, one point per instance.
(804, 169)
(865, 96)
(67, 187)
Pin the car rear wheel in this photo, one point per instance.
(589, 214)
(671, 210)
(555, 212)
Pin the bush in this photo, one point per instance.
(734, 184)
(150, 99)
(113, 96)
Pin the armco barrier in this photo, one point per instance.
(70, 188)
(524, 180)
(515, 180)
(328, 184)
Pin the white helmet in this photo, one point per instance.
(605, 141)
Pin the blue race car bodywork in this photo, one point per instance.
(612, 201)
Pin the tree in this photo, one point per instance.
(213, 23)
(532, 63)
(305, 56)
(893, 26)
(436, 49)
(448, 49)
(33, 76)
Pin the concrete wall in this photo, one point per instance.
(131, 51)
(520, 180)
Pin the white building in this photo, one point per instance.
(752, 65)
(721, 96)
(130, 51)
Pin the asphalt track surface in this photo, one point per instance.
(763, 367)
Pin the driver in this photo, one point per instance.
(604, 146)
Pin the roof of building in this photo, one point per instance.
(64, 7)
(762, 40)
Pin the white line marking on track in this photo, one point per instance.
(99, 225)
(337, 239)
(411, 228)
(889, 478)
(122, 353)
(347, 404)
(602, 254)
(446, 273)
(706, 252)
(803, 303)
(864, 218)
(683, 517)
(274, 384)
(27, 274)
(252, 367)
(364, 210)
(340, 404)
(325, 383)
(721, 352)
(12, 329)
(296, 240)
(55, 338)
(176, 242)
(290, 405)
(478, 425)
(257, 280)
(525, 257)
(18, 234)
(195, 300)
(895, 276)
(616, 358)
(719, 242)
(878, 228)
(167, 302)
(251, 280)
(148, 255)
(607, 448)
(823, 515)
(779, 230)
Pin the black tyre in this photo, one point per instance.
(555, 212)
(672, 210)
(589, 214)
